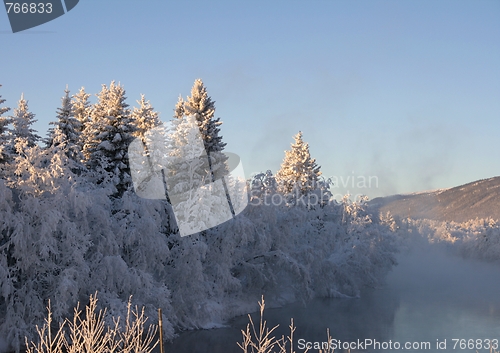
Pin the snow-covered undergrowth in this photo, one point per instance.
(475, 239)
(63, 238)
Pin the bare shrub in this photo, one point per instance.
(263, 341)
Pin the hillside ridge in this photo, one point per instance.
(477, 199)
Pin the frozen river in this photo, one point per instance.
(428, 298)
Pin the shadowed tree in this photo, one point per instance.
(66, 133)
(108, 136)
(4, 123)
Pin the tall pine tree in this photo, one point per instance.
(81, 111)
(109, 134)
(198, 204)
(144, 117)
(81, 107)
(299, 172)
(23, 136)
(202, 107)
(66, 133)
(4, 123)
(179, 108)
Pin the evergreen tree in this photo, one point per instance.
(66, 134)
(81, 111)
(4, 123)
(198, 203)
(4, 109)
(81, 107)
(299, 172)
(179, 111)
(186, 157)
(146, 153)
(145, 118)
(109, 134)
(202, 107)
(23, 136)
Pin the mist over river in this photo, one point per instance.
(432, 295)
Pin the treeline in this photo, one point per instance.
(95, 137)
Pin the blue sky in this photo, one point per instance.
(407, 91)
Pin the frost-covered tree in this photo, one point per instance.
(81, 111)
(3, 110)
(144, 117)
(179, 111)
(299, 172)
(262, 187)
(109, 134)
(61, 240)
(66, 133)
(188, 165)
(202, 107)
(198, 203)
(81, 107)
(4, 123)
(22, 135)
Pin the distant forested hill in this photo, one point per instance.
(479, 199)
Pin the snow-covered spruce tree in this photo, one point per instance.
(4, 123)
(179, 108)
(196, 207)
(21, 139)
(299, 172)
(147, 152)
(81, 107)
(108, 136)
(22, 135)
(187, 167)
(144, 117)
(81, 112)
(66, 133)
(189, 179)
(202, 107)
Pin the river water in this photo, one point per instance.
(430, 298)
